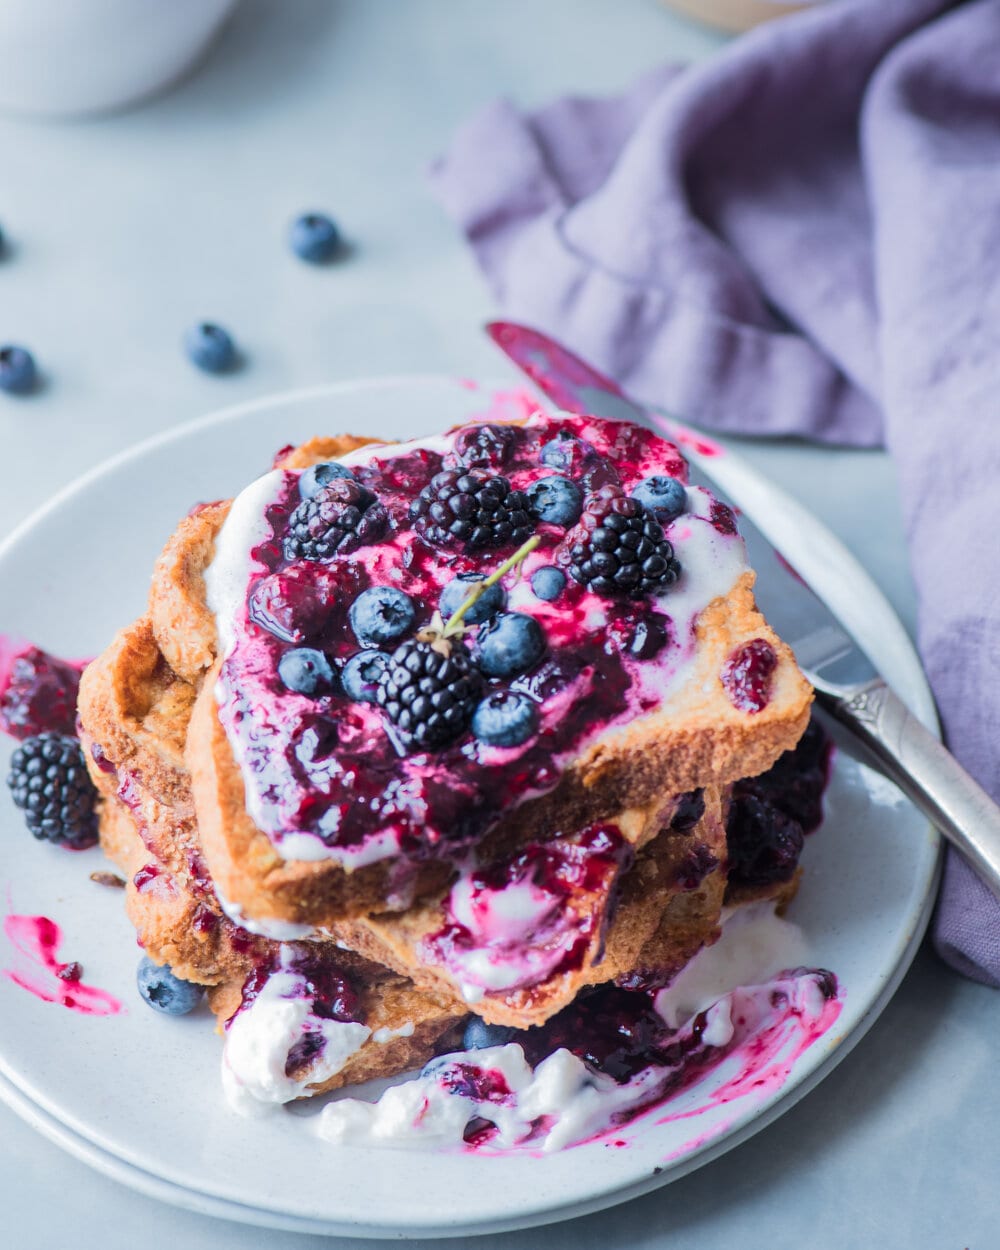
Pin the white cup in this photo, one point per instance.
(65, 57)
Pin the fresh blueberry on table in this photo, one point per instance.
(510, 644)
(381, 614)
(665, 497)
(548, 582)
(18, 373)
(360, 675)
(306, 671)
(556, 500)
(313, 479)
(314, 237)
(164, 992)
(210, 347)
(505, 719)
(479, 1035)
(490, 602)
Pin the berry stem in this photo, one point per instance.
(454, 623)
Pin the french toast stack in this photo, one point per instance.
(501, 815)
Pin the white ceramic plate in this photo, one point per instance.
(138, 1095)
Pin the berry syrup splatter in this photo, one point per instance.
(37, 938)
(37, 690)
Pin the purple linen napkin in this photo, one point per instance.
(799, 236)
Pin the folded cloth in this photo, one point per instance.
(798, 236)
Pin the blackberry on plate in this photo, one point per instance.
(49, 782)
(472, 508)
(486, 446)
(619, 549)
(340, 517)
(429, 694)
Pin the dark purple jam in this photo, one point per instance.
(339, 770)
(331, 990)
(37, 691)
(770, 814)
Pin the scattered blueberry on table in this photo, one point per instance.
(165, 992)
(18, 373)
(314, 237)
(210, 347)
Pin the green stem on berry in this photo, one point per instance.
(454, 623)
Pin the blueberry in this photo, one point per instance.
(566, 452)
(381, 614)
(361, 673)
(314, 237)
(17, 370)
(510, 644)
(306, 671)
(548, 582)
(479, 1035)
(505, 719)
(317, 476)
(556, 500)
(665, 497)
(210, 348)
(490, 602)
(165, 992)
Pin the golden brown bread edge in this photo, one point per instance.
(703, 740)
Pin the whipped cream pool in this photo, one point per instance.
(747, 1001)
(422, 799)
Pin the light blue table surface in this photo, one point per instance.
(125, 229)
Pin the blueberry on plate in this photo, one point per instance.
(313, 479)
(306, 671)
(556, 500)
(164, 992)
(381, 614)
(664, 496)
(510, 644)
(314, 237)
(548, 582)
(505, 719)
(18, 373)
(490, 602)
(360, 675)
(210, 347)
(479, 1035)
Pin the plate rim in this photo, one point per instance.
(203, 1201)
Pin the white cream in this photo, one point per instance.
(261, 1037)
(575, 1102)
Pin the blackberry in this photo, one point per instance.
(340, 517)
(618, 547)
(471, 507)
(49, 781)
(428, 695)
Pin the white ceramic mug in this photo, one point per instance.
(65, 57)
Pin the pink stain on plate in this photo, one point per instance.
(38, 938)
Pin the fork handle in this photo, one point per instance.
(924, 770)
